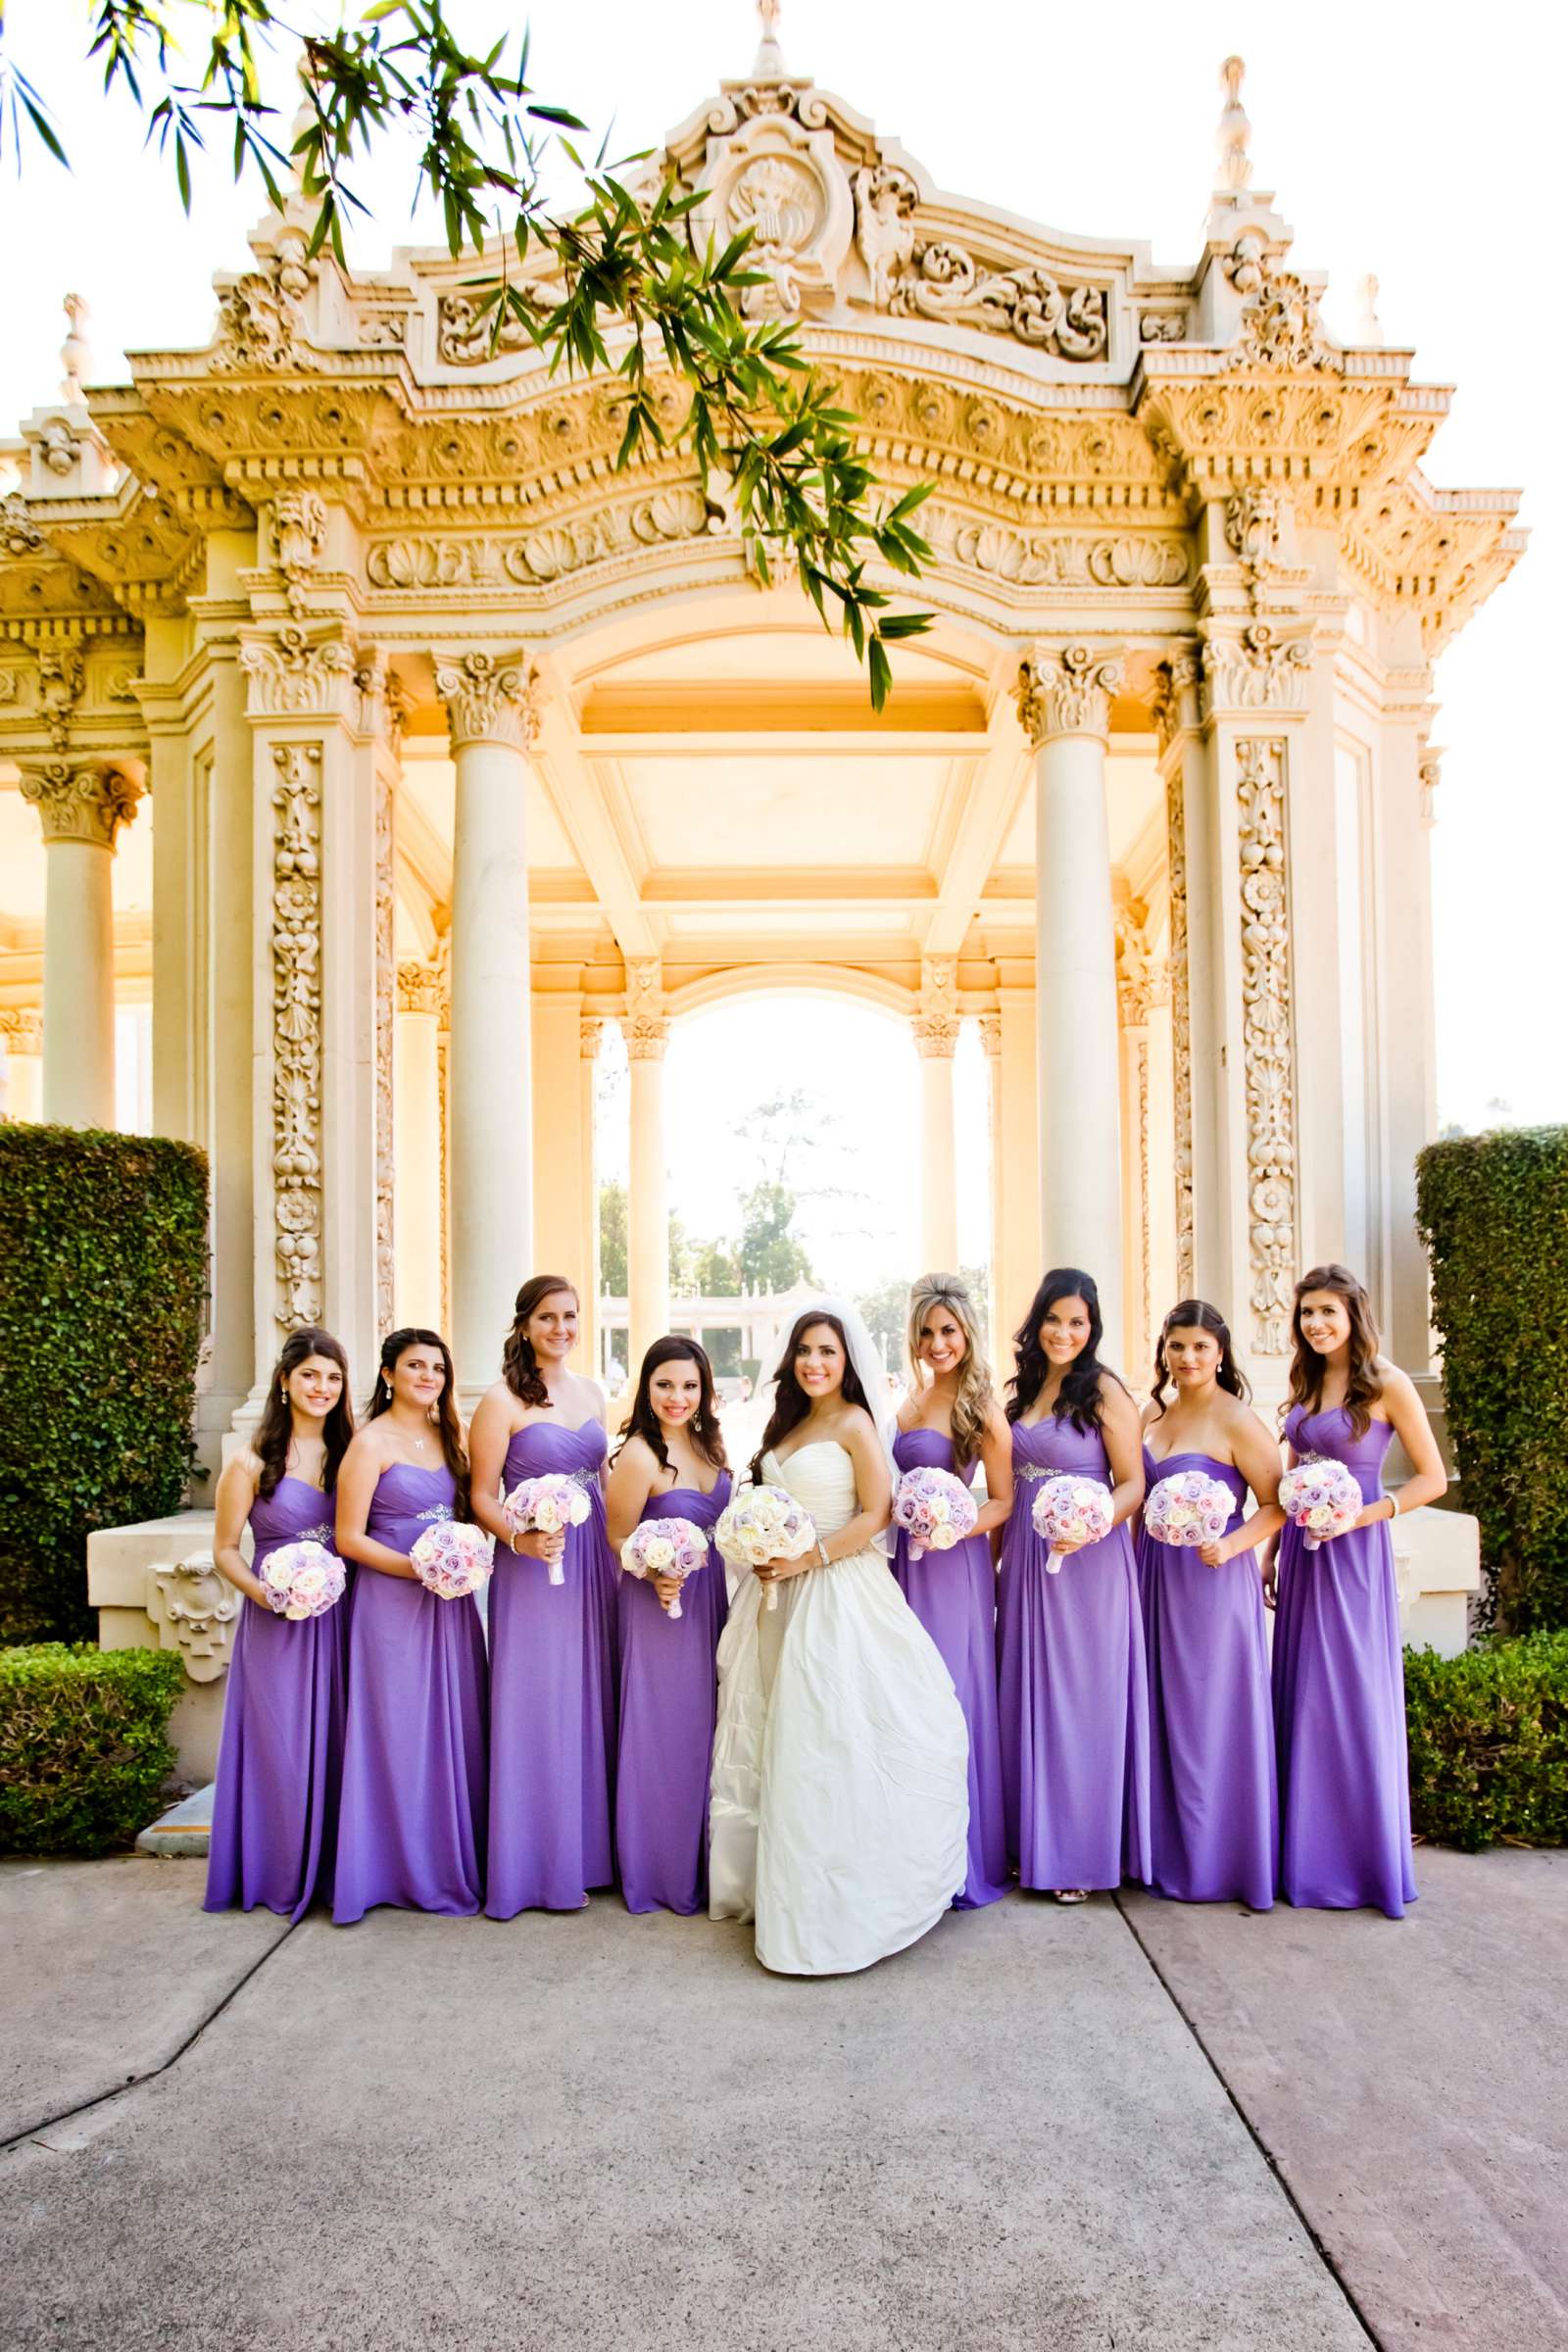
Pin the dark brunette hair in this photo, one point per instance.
(791, 1405)
(1362, 1387)
(643, 1422)
(1195, 1314)
(453, 1451)
(1078, 1397)
(275, 1429)
(519, 1368)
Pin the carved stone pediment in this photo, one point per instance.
(784, 184)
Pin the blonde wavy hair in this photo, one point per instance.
(975, 1399)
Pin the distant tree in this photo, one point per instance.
(716, 1271)
(612, 1240)
(771, 1256)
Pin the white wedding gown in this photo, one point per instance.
(840, 1792)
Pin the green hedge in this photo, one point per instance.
(84, 1747)
(1489, 1743)
(1494, 1212)
(103, 1272)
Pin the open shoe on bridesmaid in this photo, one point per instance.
(1070, 1894)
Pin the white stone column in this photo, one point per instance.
(1064, 703)
(647, 1031)
(991, 1040)
(492, 719)
(1133, 985)
(936, 1040)
(590, 1037)
(22, 1034)
(82, 805)
(416, 1092)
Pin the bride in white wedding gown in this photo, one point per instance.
(840, 1789)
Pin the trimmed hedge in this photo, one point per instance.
(85, 1749)
(1489, 1743)
(103, 1276)
(1493, 1211)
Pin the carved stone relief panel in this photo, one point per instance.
(1267, 1038)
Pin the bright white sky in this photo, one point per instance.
(1421, 145)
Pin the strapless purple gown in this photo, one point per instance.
(954, 1594)
(552, 1697)
(410, 1827)
(274, 1808)
(1213, 1816)
(1339, 1699)
(668, 1698)
(1073, 1689)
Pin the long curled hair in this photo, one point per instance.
(519, 1368)
(449, 1427)
(791, 1404)
(973, 1398)
(1363, 1386)
(275, 1429)
(1195, 1314)
(643, 1422)
(1078, 1397)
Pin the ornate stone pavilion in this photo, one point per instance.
(454, 744)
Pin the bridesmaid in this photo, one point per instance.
(274, 1807)
(412, 1826)
(952, 1420)
(670, 1465)
(551, 1662)
(1339, 1668)
(1073, 1690)
(1213, 1825)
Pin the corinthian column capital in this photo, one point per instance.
(82, 800)
(490, 698)
(1066, 689)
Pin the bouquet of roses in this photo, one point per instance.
(935, 1510)
(547, 1506)
(302, 1580)
(452, 1558)
(665, 1547)
(1322, 1496)
(1070, 1510)
(764, 1523)
(1187, 1509)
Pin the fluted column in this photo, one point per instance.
(936, 1040)
(416, 1089)
(1064, 703)
(647, 1031)
(22, 1035)
(492, 722)
(82, 805)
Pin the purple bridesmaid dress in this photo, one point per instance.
(1213, 1815)
(410, 1825)
(668, 1696)
(552, 1697)
(1072, 1686)
(954, 1594)
(1339, 1698)
(275, 1804)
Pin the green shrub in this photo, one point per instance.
(103, 1272)
(84, 1747)
(1489, 1743)
(1494, 1212)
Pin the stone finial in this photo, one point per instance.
(770, 66)
(1235, 133)
(75, 356)
(1368, 325)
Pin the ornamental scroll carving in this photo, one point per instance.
(1066, 691)
(490, 698)
(386, 979)
(1055, 559)
(646, 1024)
(299, 532)
(82, 799)
(1181, 1024)
(297, 1032)
(544, 555)
(260, 316)
(937, 1023)
(293, 675)
(1258, 671)
(195, 1610)
(1266, 1038)
(942, 281)
(1279, 324)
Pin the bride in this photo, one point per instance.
(840, 1791)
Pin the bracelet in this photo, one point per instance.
(821, 1553)
(1394, 1507)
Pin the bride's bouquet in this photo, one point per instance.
(935, 1509)
(302, 1580)
(547, 1506)
(763, 1523)
(1070, 1510)
(452, 1559)
(1323, 1498)
(674, 1547)
(1187, 1509)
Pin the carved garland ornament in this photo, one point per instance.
(1279, 325)
(1052, 559)
(942, 281)
(1266, 1038)
(937, 1025)
(387, 977)
(297, 1032)
(544, 555)
(1181, 1024)
(646, 1025)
